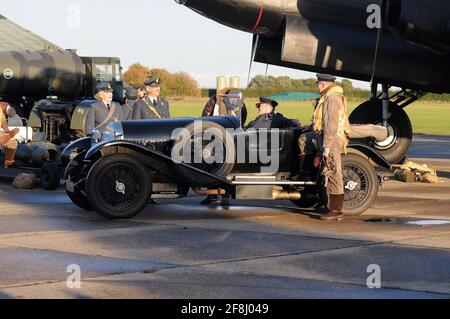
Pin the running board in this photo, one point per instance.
(275, 183)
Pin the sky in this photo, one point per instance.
(155, 33)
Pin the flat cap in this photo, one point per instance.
(153, 81)
(326, 77)
(104, 86)
(266, 100)
(131, 94)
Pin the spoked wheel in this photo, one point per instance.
(400, 131)
(118, 187)
(210, 148)
(74, 181)
(360, 184)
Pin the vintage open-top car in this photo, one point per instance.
(118, 171)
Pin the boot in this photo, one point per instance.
(298, 175)
(10, 155)
(225, 200)
(336, 207)
(305, 166)
(210, 199)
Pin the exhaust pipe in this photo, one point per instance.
(285, 195)
(208, 192)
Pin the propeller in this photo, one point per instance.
(253, 55)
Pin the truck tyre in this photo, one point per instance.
(118, 187)
(50, 178)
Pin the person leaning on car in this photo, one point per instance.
(268, 119)
(7, 136)
(152, 106)
(104, 111)
(327, 139)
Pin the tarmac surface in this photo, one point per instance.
(180, 249)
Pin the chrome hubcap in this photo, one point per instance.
(120, 187)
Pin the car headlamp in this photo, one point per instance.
(115, 129)
(96, 136)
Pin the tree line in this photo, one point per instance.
(178, 84)
(181, 84)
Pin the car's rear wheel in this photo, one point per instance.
(360, 185)
(118, 187)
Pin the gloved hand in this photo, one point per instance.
(13, 133)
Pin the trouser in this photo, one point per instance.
(11, 144)
(310, 143)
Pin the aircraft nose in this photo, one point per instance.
(256, 16)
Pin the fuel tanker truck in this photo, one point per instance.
(51, 92)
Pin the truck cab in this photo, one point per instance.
(100, 69)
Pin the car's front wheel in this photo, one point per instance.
(118, 187)
(74, 182)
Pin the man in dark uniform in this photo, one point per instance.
(131, 97)
(152, 107)
(268, 119)
(104, 111)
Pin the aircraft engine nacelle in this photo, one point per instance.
(425, 23)
(256, 16)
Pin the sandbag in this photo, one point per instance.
(24, 181)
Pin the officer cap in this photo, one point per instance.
(153, 82)
(104, 86)
(326, 77)
(131, 94)
(266, 100)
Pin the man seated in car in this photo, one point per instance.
(268, 119)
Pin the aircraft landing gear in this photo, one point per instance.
(389, 112)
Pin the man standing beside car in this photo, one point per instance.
(152, 106)
(327, 140)
(131, 97)
(104, 111)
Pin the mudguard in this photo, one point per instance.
(160, 162)
(370, 153)
(80, 145)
